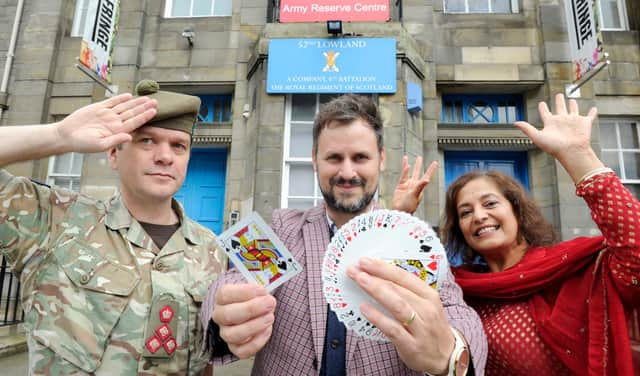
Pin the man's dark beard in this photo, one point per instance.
(332, 201)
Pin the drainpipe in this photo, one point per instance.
(9, 62)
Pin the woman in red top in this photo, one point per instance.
(548, 308)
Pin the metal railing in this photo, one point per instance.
(10, 310)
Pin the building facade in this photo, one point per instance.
(480, 65)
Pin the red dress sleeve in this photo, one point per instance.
(616, 212)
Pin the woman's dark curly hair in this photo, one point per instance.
(532, 226)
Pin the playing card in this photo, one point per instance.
(258, 253)
(396, 237)
(424, 269)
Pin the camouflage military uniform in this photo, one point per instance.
(90, 276)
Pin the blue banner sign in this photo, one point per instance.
(333, 65)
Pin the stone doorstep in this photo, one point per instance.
(12, 340)
(13, 344)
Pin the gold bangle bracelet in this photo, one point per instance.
(592, 173)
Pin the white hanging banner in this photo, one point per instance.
(583, 36)
(98, 39)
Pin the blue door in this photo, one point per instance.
(514, 164)
(202, 193)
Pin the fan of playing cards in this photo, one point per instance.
(398, 238)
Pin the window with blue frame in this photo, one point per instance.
(482, 109)
(215, 109)
(511, 163)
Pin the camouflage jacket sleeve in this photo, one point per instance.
(25, 219)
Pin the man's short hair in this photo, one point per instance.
(346, 109)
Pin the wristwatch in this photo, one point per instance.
(460, 358)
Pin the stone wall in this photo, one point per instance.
(525, 53)
(40, 33)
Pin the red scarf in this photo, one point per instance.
(590, 339)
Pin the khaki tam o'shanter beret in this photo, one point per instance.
(175, 111)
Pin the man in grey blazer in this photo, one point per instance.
(291, 331)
